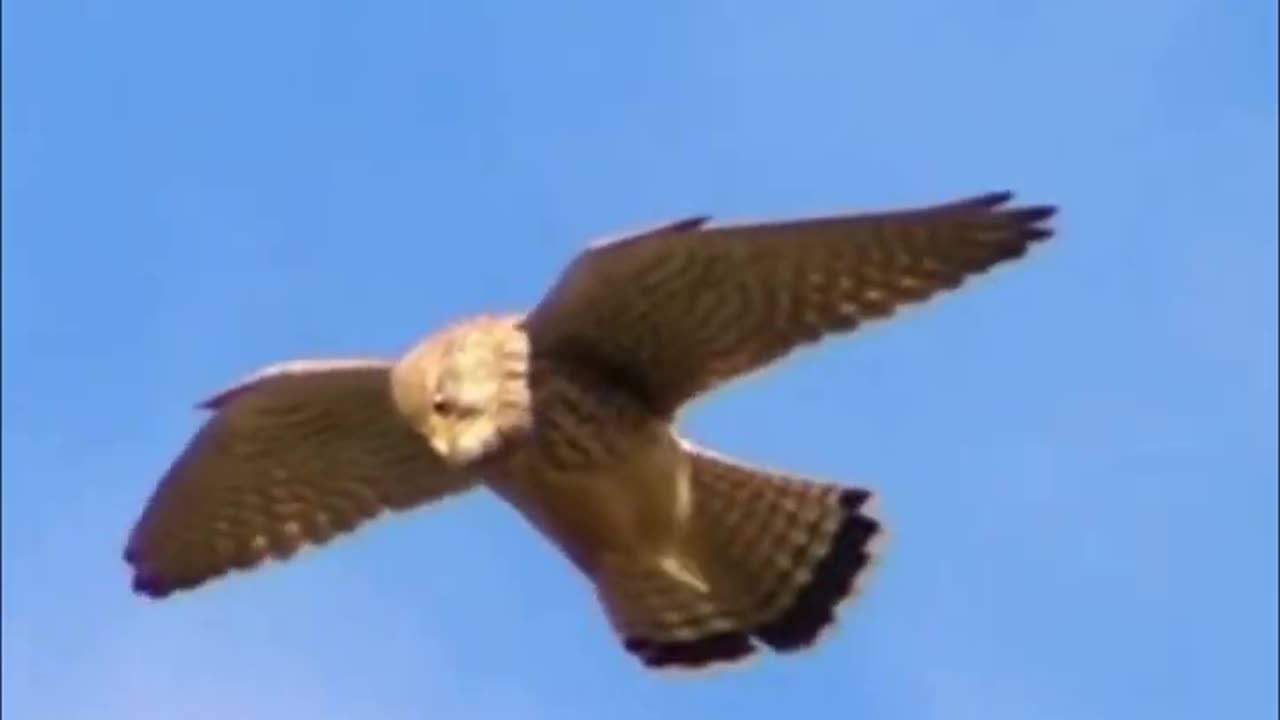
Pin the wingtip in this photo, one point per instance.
(144, 582)
(1032, 214)
(999, 198)
(147, 583)
(992, 199)
(1032, 221)
(147, 587)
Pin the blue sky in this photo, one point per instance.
(1076, 454)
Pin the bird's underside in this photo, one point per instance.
(568, 410)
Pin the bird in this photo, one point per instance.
(568, 412)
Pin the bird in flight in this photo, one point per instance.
(567, 412)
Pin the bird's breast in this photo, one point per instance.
(595, 475)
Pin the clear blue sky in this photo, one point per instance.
(1077, 454)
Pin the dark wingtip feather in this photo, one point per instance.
(833, 579)
(1022, 214)
(1031, 216)
(149, 577)
(989, 200)
(153, 585)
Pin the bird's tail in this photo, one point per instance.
(767, 559)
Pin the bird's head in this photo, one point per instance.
(466, 389)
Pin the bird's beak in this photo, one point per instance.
(438, 438)
(441, 448)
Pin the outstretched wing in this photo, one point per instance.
(675, 311)
(296, 454)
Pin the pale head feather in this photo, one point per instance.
(465, 388)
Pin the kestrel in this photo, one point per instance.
(567, 413)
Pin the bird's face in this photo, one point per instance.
(465, 389)
(459, 422)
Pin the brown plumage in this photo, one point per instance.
(567, 413)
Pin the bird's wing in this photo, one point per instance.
(296, 454)
(677, 310)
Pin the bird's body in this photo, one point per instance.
(584, 462)
(596, 474)
(568, 413)
(605, 501)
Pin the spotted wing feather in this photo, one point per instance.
(295, 455)
(676, 311)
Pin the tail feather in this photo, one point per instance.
(666, 620)
(834, 579)
(779, 554)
